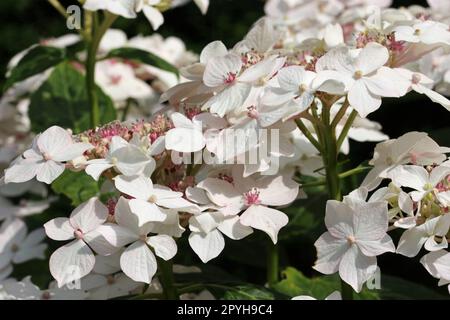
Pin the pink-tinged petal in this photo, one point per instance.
(234, 229)
(71, 262)
(165, 247)
(373, 248)
(59, 229)
(265, 219)
(138, 262)
(207, 245)
(362, 100)
(48, 171)
(222, 70)
(339, 219)
(356, 268)
(89, 215)
(329, 253)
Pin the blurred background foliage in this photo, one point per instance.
(25, 22)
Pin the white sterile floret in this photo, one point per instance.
(45, 160)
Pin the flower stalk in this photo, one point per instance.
(329, 146)
(272, 264)
(93, 42)
(167, 279)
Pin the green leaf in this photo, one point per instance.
(77, 186)
(37, 60)
(296, 284)
(142, 56)
(62, 100)
(400, 289)
(248, 292)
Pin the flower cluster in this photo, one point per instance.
(223, 154)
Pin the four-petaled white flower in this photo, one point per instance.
(137, 261)
(16, 246)
(426, 32)
(148, 198)
(127, 158)
(437, 264)
(364, 74)
(207, 228)
(224, 73)
(236, 193)
(413, 239)
(45, 160)
(76, 259)
(419, 179)
(356, 235)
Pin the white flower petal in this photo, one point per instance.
(165, 247)
(59, 229)
(154, 16)
(89, 215)
(234, 229)
(207, 246)
(265, 219)
(71, 262)
(355, 268)
(138, 262)
(329, 253)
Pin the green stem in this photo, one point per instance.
(167, 280)
(272, 264)
(346, 128)
(97, 33)
(353, 171)
(330, 157)
(59, 7)
(340, 114)
(308, 134)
